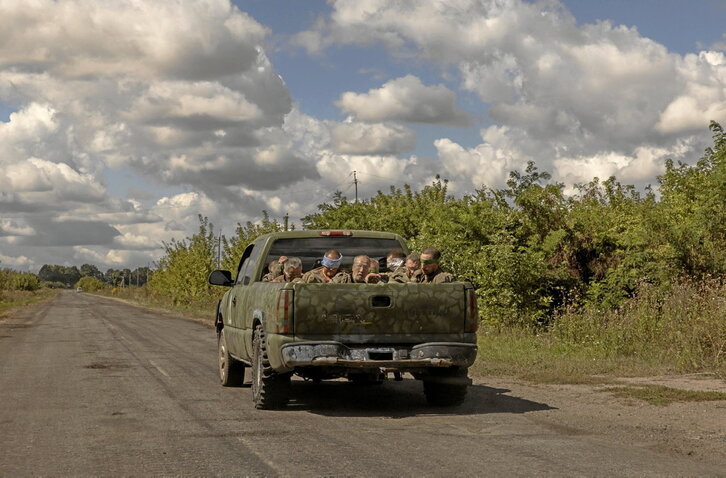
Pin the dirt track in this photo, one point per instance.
(91, 386)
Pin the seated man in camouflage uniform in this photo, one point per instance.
(405, 272)
(292, 271)
(328, 271)
(394, 262)
(361, 269)
(274, 269)
(430, 272)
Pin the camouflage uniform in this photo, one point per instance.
(399, 275)
(276, 272)
(438, 277)
(318, 276)
(343, 277)
(283, 279)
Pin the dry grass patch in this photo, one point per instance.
(661, 395)
(10, 299)
(200, 311)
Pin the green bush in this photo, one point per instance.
(53, 285)
(25, 281)
(90, 284)
(5, 275)
(12, 280)
(182, 273)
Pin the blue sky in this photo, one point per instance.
(683, 26)
(134, 117)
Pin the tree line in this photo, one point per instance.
(58, 276)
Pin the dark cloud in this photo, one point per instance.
(69, 233)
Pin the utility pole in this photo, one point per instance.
(355, 181)
(287, 217)
(219, 248)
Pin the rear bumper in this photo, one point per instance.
(336, 354)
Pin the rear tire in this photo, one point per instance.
(270, 390)
(442, 394)
(231, 371)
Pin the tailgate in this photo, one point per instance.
(359, 313)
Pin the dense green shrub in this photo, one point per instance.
(13, 280)
(53, 285)
(90, 284)
(182, 273)
(25, 281)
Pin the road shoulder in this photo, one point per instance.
(694, 429)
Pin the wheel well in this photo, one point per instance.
(219, 320)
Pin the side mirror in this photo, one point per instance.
(221, 278)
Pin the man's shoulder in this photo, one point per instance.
(313, 274)
(342, 277)
(418, 276)
(439, 277)
(443, 276)
(399, 275)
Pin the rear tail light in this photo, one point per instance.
(336, 233)
(471, 323)
(283, 316)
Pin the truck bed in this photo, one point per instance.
(379, 313)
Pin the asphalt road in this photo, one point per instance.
(92, 386)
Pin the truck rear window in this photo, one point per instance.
(311, 249)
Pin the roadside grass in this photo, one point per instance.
(201, 310)
(10, 299)
(654, 333)
(542, 358)
(661, 395)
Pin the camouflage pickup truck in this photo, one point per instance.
(361, 332)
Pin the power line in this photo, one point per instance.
(382, 177)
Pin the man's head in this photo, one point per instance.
(292, 268)
(373, 265)
(430, 260)
(331, 262)
(361, 266)
(413, 263)
(395, 259)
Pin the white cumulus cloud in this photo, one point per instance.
(375, 138)
(405, 99)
